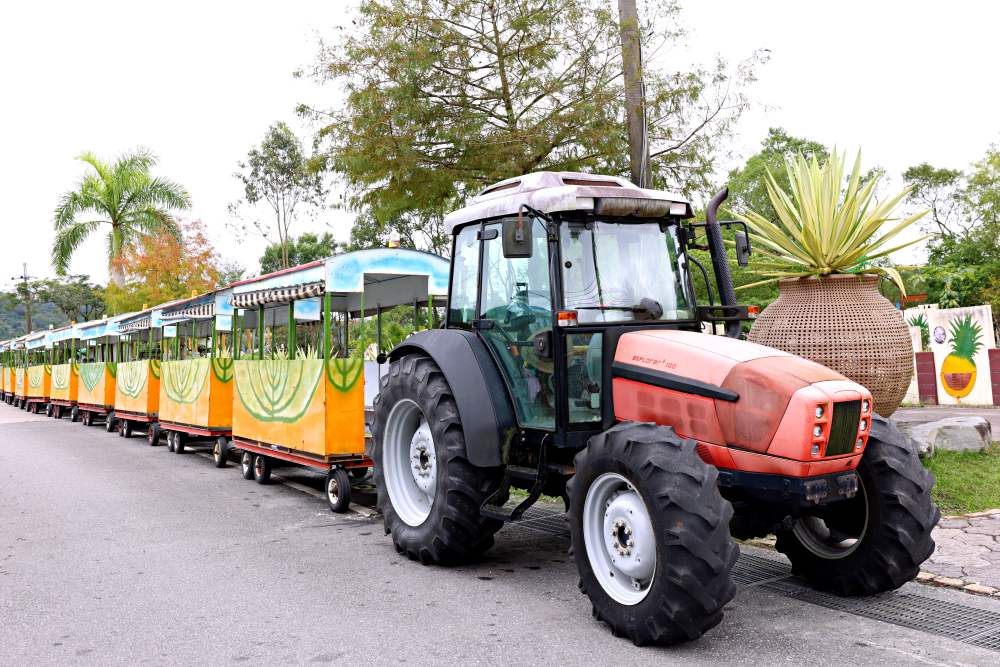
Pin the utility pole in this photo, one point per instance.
(27, 295)
(635, 98)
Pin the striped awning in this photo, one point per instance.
(199, 312)
(134, 325)
(265, 297)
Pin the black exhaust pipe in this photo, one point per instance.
(720, 262)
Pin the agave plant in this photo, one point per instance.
(309, 353)
(825, 228)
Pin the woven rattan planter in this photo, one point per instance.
(842, 322)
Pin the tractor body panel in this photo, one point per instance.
(750, 407)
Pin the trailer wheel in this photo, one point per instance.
(246, 465)
(338, 490)
(110, 423)
(650, 534)
(261, 469)
(57, 412)
(220, 452)
(428, 491)
(876, 541)
(49, 410)
(74, 414)
(178, 442)
(153, 434)
(88, 418)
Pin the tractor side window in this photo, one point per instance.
(464, 272)
(518, 300)
(583, 376)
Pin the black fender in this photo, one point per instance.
(484, 405)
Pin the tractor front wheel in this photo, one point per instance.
(650, 535)
(428, 491)
(876, 541)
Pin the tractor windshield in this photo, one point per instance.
(623, 271)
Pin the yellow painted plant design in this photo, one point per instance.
(183, 381)
(275, 390)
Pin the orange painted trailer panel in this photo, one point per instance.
(138, 386)
(97, 384)
(197, 392)
(307, 405)
(39, 381)
(65, 382)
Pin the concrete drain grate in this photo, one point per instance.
(971, 625)
(967, 624)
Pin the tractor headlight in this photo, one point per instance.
(817, 431)
(865, 405)
(860, 443)
(820, 412)
(864, 424)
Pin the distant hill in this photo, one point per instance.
(12, 317)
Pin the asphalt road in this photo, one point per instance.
(112, 552)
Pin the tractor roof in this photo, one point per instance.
(552, 191)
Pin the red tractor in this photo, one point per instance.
(572, 363)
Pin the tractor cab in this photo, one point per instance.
(552, 268)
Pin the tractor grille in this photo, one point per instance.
(844, 428)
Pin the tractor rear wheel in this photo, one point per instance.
(876, 541)
(650, 535)
(428, 491)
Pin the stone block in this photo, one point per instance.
(957, 434)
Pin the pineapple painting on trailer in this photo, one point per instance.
(960, 339)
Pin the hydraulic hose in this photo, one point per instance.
(720, 262)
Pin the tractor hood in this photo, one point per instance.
(729, 392)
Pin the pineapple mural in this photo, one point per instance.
(958, 372)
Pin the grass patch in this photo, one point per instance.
(966, 481)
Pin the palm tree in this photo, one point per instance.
(123, 196)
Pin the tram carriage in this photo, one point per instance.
(302, 379)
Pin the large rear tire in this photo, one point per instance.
(876, 541)
(650, 535)
(428, 491)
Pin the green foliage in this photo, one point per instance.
(55, 302)
(122, 195)
(280, 174)
(444, 97)
(966, 481)
(920, 320)
(306, 248)
(937, 190)
(748, 186)
(822, 227)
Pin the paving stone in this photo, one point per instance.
(978, 539)
(943, 570)
(956, 522)
(982, 590)
(949, 581)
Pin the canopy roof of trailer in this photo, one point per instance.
(553, 191)
(202, 306)
(66, 332)
(101, 328)
(35, 340)
(405, 274)
(141, 320)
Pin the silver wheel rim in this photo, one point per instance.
(814, 534)
(332, 490)
(247, 462)
(217, 452)
(618, 534)
(258, 466)
(410, 462)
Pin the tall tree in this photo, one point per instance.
(164, 267)
(122, 195)
(446, 96)
(77, 298)
(279, 173)
(306, 248)
(940, 191)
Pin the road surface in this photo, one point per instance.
(113, 552)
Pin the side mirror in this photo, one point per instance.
(742, 249)
(517, 238)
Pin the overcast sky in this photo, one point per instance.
(199, 83)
